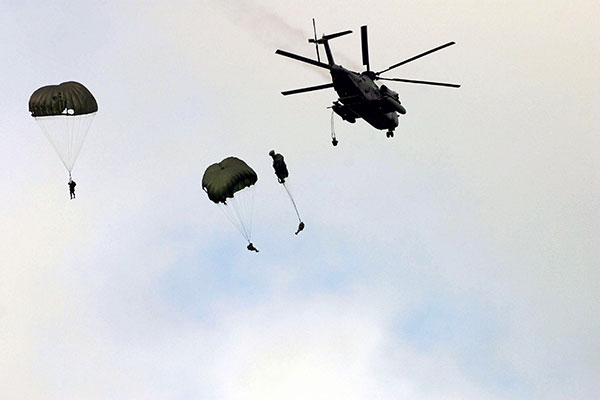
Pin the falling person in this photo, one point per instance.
(282, 173)
(279, 166)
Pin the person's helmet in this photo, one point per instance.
(272, 153)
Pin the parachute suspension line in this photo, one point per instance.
(241, 214)
(243, 205)
(238, 210)
(293, 202)
(45, 125)
(66, 134)
(334, 141)
(228, 211)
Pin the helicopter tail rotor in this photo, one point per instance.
(326, 38)
(316, 44)
(325, 42)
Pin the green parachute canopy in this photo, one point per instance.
(68, 98)
(222, 180)
(65, 113)
(230, 185)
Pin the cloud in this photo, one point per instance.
(455, 261)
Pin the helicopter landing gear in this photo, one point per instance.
(390, 134)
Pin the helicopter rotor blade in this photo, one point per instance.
(301, 58)
(365, 46)
(316, 44)
(307, 89)
(417, 57)
(453, 85)
(364, 41)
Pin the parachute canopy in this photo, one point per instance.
(68, 98)
(65, 113)
(229, 184)
(222, 180)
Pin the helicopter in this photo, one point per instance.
(359, 95)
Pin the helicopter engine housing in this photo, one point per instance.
(391, 104)
(391, 101)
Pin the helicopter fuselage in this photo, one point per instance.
(360, 97)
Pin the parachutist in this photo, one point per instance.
(72, 185)
(334, 142)
(282, 172)
(251, 247)
(390, 134)
(279, 166)
(64, 112)
(227, 183)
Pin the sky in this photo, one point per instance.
(457, 260)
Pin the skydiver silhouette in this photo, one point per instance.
(300, 227)
(279, 166)
(72, 185)
(251, 247)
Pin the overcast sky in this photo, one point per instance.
(458, 260)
